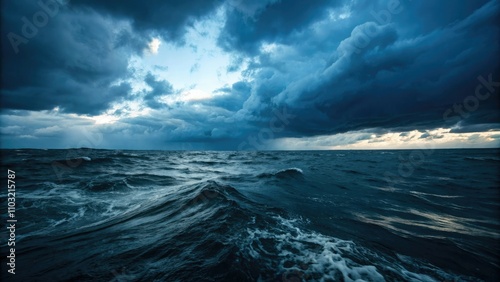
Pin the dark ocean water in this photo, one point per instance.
(104, 215)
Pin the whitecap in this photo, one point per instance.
(288, 170)
(306, 255)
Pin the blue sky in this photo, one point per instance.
(246, 75)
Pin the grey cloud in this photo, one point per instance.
(168, 18)
(233, 97)
(476, 128)
(276, 20)
(70, 63)
(398, 79)
(335, 74)
(159, 88)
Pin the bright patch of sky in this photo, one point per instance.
(154, 45)
(196, 68)
(440, 138)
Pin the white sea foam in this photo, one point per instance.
(300, 255)
(306, 255)
(435, 195)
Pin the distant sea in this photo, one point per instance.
(107, 215)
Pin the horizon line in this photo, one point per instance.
(270, 150)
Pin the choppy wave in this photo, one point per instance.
(300, 255)
(222, 216)
(284, 173)
(76, 161)
(482, 159)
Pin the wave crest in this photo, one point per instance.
(284, 173)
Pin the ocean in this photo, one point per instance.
(396, 215)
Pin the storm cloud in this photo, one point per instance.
(338, 67)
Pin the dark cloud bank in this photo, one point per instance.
(338, 66)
